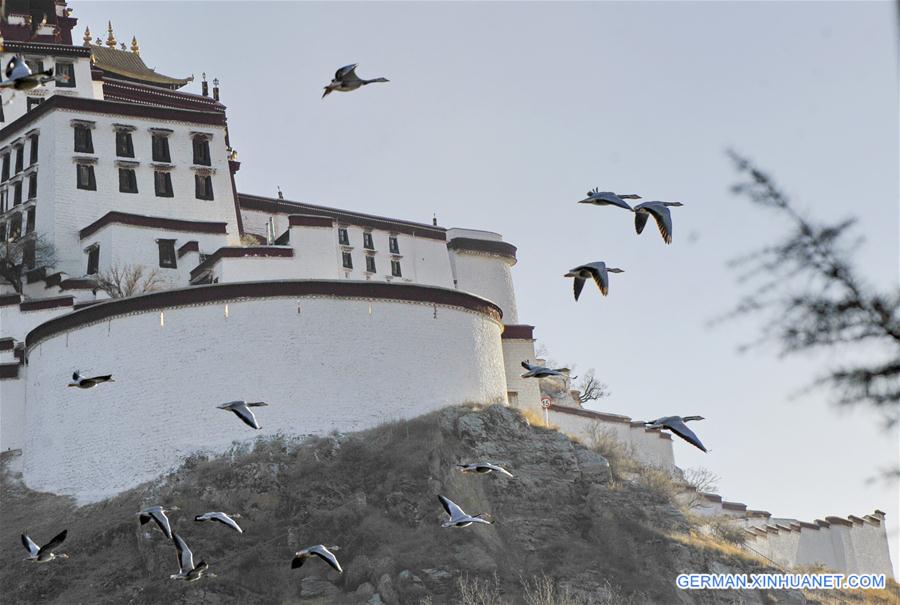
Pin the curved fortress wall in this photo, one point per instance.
(325, 355)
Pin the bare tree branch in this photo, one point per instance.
(591, 389)
(813, 299)
(121, 281)
(22, 254)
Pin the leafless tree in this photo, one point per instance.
(703, 481)
(814, 299)
(121, 281)
(591, 389)
(21, 255)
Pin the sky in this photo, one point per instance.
(500, 116)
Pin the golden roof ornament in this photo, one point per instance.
(110, 39)
(134, 46)
(87, 36)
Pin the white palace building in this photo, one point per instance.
(339, 319)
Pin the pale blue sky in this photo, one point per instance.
(500, 116)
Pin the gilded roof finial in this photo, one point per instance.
(110, 39)
(87, 36)
(134, 46)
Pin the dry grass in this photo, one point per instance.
(479, 591)
(705, 542)
(534, 418)
(620, 457)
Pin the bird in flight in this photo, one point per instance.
(158, 514)
(83, 382)
(346, 80)
(608, 198)
(597, 271)
(677, 425)
(228, 520)
(242, 410)
(45, 553)
(319, 550)
(535, 371)
(660, 212)
(458, 517)
(482, 468)
(187, 571)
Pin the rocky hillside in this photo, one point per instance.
(565, 532)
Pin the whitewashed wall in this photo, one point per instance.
(63, 209)
(862, 548)
(12, 412)
(486, 275)
(18, 105)
(124, 245)
(648, 448)
(422, 260)
(528, 390)
(322, 363)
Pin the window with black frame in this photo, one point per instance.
(20, 158)
(370, 263)
(85, 177)
(395, 268)
(17, 193)
(162, 182)
(93, 260)
(124, 144)
(32, 185)
(33, 150)
(343, 237)
(127, 180)
(201, 151)
(83, 141)
(65, 75)
(393, 246)
(29, 227)
(167, 258)
(203, 187)
(4, 172)
(367, 241)
(160, 145)
(347, 260)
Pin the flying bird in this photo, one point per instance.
(608, 198)
(345, 80)
(83, 382)
(458, 517)
(660, 212)
(19, 76)
(158, 514)
(320, 551)
(482, 468)
(242, 410)
(541, 371)
(677, 425)
(222, 518)
(44, 554)
(597, 271)
(187, 571)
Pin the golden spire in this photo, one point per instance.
(110, 39)
(134, 46)
(87, 36)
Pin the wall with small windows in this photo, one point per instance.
(114, 169)
(121, 245)
(342, 253)
(323, 362)
(75, 80)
